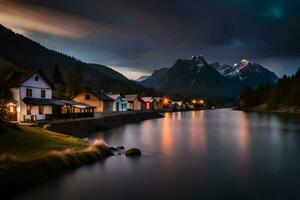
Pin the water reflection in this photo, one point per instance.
(198, 133)
(166, 135)
(244, 147)
(220, 154)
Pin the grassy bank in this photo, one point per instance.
(31, 155)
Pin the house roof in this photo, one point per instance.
(114, 96)
(147, 99)
(131, 97)
(157, 99)
(17, 78)
(101, 96)
(55, 102)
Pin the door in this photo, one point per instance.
(117, 106)
(13, 113)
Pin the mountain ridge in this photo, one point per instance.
(28, 54)
(194, 76)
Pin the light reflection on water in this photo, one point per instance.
(192, 155)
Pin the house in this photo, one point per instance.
(147, 103)
(134, 102)
(158, 103)
(32, 94)
(101, 101)
(120, 103)
(32, 99)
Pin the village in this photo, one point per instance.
(33, 102)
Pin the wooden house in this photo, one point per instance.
(134, 102)
(101, 101)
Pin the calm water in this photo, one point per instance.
(219, 154)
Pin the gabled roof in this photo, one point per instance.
(131, 97)
(114, 96)
(147, 99)
(157, 99)
(17, 78)
(101, 96)
(55, 102)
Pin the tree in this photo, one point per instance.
(74, 80)
(5, 98)
(57, 77)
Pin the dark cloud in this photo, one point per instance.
(140, 35)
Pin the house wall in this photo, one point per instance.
(34, 112)
(94, 101)
(123, 104)
(137, 105)
(20, 93)
(147, 105)
(36, 87)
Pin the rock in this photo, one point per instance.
(112, 149)
(133, 152)
(120, 147)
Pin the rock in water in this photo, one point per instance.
(133, 152)
(120, 147)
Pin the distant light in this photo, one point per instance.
(165, 101)
(194, 101)
(201, 101)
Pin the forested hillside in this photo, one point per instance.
(285, 93)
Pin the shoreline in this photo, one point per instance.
(81, 128)
(18, 175)
(264, 108)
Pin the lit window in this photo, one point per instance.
(28, 92)
(41, 110)
(148, 105)
(43, 93)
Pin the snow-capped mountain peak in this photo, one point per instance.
(244, 63)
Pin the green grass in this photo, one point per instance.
(32, 155)
(29, 143)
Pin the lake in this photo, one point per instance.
(213, 154)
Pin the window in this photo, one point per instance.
(41, 110)
(43, 93)
(87, 97)
(28, 109)
(36, 78)
(28, 92)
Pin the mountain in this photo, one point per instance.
(28, 54)
(142, 78)
(194, 76)
(250, 74)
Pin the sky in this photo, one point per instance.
(136, 37)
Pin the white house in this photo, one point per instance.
(32, 94)
(120, 102)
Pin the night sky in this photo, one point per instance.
(137, 36)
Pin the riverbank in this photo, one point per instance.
(265, 108)
(32, 155)
(82, 128)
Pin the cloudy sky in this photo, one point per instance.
(137, 36)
